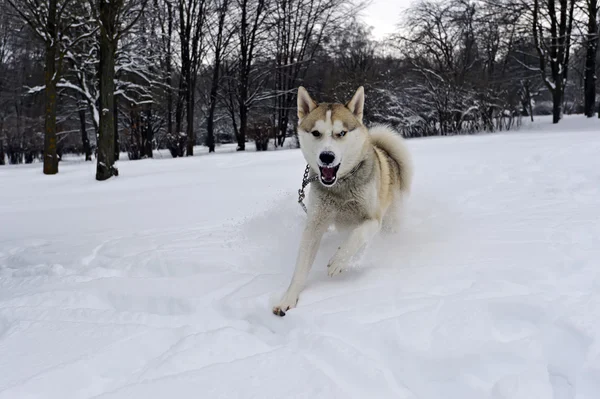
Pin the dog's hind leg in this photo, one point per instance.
(311, 238)
(360, 236)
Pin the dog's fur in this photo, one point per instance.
(374, 173)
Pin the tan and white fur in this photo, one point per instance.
(363, 176)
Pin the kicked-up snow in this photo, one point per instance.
(160, 283)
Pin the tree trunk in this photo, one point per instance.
(148, 135)
(245, 66)
(526, 99)
(169, 75)
(191, 137)
(243, 109)
(530, 104)
(2, 154)
(590, 60)
(558, 54)
(116, 122)
(85, 141)
(184, 79)
(106, 142)
(556, 105)
(191, 20)
(50, 78)
(283, 123)
(231, 109)
(176, 140)
(210, 136)
(241, 138)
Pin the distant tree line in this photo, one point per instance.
(102, 77)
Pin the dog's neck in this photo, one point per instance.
(353, 171)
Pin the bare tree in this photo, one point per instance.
(167, 68)
(166, 43)
(553, 47)
(85, 140)
(192, 20)
(300, 26)
(50, 21)
(252, 17)
(220, 42)
(5, 37)
(228, 96)
(592, 8)
(115, 18)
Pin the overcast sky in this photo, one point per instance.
(384, 15)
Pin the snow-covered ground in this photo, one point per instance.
(159, 283)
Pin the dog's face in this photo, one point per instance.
(332, 136)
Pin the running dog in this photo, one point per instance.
(363, 175)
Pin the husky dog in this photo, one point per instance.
(363, 175)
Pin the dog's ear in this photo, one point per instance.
(357, 104)
(305, 103)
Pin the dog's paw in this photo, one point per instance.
(335, 267)
(287, 303)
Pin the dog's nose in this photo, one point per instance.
(327, 157)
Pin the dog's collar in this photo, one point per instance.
(353, 171)
(305, 181)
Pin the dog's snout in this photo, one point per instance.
(327, 157)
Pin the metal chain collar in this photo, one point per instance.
(305, 182)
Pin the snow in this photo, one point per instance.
(84, 90)
(550, 83)
(36, 89)
(159, 283)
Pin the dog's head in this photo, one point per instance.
(331, 135)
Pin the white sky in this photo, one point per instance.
(384, 15)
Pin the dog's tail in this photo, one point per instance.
(392, 142)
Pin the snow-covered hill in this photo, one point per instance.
(159, 283)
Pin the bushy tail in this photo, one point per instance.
(393, 143)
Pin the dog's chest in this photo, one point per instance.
(350, 215)
(350, 206)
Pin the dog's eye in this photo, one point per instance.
(316, 133)
(342, 133)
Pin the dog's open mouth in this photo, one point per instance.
(329, 174)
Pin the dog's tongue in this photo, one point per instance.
(328, 173)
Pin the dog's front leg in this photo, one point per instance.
(361, 235)
(309, 244)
